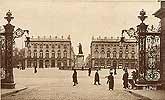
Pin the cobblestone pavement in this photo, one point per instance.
(54, 84)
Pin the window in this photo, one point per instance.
(53, 54)
(114, 54)
(59, 46)
(65, 47)
(35, 54)
(41, 54)
(96, 47)
(133, 55)
(65, 54)
(120, 54)
(58, 54)
(47, 46)
(96, 54)
(102, 54)
(126, 54)
(47, 54)
(108, 54)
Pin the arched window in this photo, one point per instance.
(120, 54)
(102, 54)
(96, 54)
(58, 54)
(41, 53)
(35, 54)
(108, 54)
(47, 54)
(65, 54)
(53, 54)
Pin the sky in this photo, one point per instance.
(81, 19)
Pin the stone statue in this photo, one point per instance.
(80, 49)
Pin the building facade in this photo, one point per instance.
(113, 53)
(49, 52)
(161, 14)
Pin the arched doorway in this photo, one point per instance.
(41, 64)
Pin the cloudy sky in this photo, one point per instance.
(81, 19)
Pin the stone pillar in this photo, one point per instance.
(161, 14)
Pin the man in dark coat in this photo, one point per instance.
(111, 81)
(35, 69)
(97, 78)
(75, 78)
(125, 79)
(89, 71)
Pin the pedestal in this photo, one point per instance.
(79, 61)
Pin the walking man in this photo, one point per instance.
(89, 71)
(35, 69)
(75, 78)
(125, 79)
(111, 81)
(97, 79)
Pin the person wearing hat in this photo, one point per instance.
(74, 76)
(125, 79)
(111, 81)
(97, 79)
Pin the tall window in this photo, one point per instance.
(120, 54)
(102, 54)
(53, 54)
(65, 54)
(41, 54)
(35, 53)
(108, 54)
(47, 54)
(126, 54)
(133, 55)
(114, 53)
(58, 54)
(96, 54)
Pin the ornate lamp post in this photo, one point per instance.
(148, 45)
(10, 35)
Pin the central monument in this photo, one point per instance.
(79, 58)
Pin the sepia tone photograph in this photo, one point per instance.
(82, 49)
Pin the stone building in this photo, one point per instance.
(161, 14)
(113, 53)
(45, 52)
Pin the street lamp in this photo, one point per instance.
(147, 49)
(10, 35)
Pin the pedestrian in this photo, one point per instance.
(35, 69)
(125, 79)
(111, 81)
(97, 78)
(75, 78)
(89, 71)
